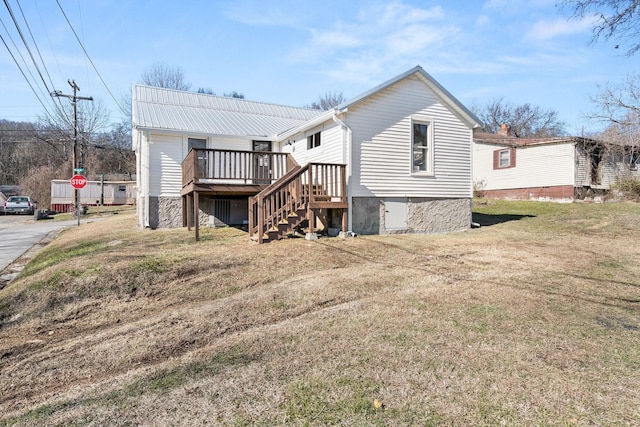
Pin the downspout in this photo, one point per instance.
(146, 179)
(346, 151)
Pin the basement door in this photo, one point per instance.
(395, 214)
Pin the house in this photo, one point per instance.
(562, 168)
(394, 159)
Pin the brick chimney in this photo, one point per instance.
(505, 130)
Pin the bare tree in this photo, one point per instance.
(111, 154)
(327, 101)
(618, 104)
(615, 19)
(163, 75)
(525, 120)
(234, 94)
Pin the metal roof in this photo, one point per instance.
(168, 109)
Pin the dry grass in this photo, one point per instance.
(531, 321)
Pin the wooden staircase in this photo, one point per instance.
(283, 206)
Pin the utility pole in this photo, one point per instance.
(77, 168)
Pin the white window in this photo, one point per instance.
(421, 146)
(504, 160)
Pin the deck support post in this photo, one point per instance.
(260, 219)
(189, 211)
(343, 233)
(196, 213)
(184, 210)
(311, 217)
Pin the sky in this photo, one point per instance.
(292, 52)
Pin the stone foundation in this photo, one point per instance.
(416, 215)
(165, 212)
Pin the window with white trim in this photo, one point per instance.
(313, 141)
(504, 159)
(421, 146)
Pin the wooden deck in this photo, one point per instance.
(232, 172)
(281, 193)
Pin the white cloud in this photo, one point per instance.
(416, 38)
(548, 29)
(382, 36)
(398, 13)
(513, 7)
(482, 20)
(335, 39)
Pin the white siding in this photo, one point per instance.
(165, 165)
(230, 144)
(544, 165)
(381, 144)
(329, 151)
(583, 168)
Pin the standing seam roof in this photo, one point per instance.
(160, 108)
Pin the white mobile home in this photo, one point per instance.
(563, 168)
(95, 193)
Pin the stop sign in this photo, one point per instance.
(78, 181)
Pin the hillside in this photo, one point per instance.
(532, 320)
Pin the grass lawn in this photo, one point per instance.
(532, 319)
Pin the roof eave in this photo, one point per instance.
(468, 117)
(306, 126)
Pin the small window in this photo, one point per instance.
(313, 141)
(421, 150)
(122, 188)
(196, 143)
(504, 158)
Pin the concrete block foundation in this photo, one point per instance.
(372, 215)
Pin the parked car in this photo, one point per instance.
(20, 204)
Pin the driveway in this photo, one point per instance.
(19, 233)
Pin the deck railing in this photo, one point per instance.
(315, 183)
(234, 166)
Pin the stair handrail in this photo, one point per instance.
(302, 198)
(258, 200)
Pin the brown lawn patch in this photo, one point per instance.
(532, 321)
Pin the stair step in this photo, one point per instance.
(274, 235)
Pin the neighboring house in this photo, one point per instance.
(564, 168)
(394, 159)
(95, 193)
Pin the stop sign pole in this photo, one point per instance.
(78, 182)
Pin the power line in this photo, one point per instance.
(25, 76)
(26, 45)
(24, 61)
(89, 58)
(44, 65)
